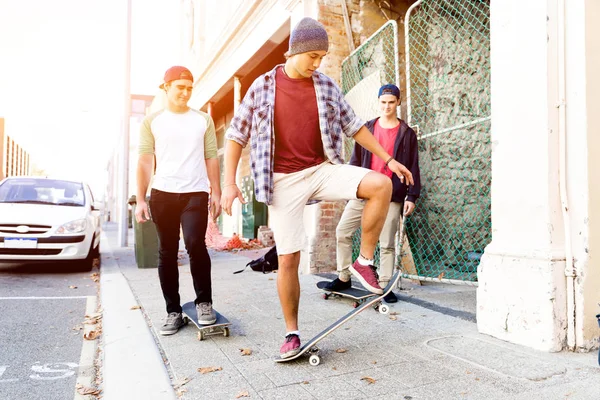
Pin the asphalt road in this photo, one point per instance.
(42, 309)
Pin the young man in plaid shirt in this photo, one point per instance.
(294, 118)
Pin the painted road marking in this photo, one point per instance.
(46, 298)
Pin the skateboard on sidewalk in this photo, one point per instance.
(220, 327)
(358, 295)
(311, 348)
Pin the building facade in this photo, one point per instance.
(14, 160)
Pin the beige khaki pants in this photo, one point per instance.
(291, 192)
(350, 222)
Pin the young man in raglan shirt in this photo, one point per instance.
(399, 140)
(187, 170)
(294, 118)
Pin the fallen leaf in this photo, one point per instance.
(441, 276)
(72, 287)
(91, 321)
(341, 350)
(242, 394)
(135, 307)
(95, 276)
(207, 370)
(469, 372)
(368, 379)
(271, 279)
(77, 327)
(393, 317)
(476, 379)
(180, 382)
(334, 368)
(91, 335)
(84, 391)
(374, 362)
(394, 313)
(246, 352)
(306, 382)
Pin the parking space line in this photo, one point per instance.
(46, 298)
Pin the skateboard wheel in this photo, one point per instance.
(314, 360)
(226, 332)
(325, 296)
(355, 304)
(201, 335)
(384, 309)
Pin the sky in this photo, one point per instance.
(62, 76)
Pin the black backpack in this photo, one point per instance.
(267, 263)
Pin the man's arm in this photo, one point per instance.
(214, 177)
(143, 175)
(233, 152)
(368, 141)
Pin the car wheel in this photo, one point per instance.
(93, 254)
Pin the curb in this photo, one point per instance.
(132, 367)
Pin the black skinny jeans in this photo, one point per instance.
(190, 210)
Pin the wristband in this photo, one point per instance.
(388, 161)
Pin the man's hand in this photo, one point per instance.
(230, 193)
(409, 207)
(402, 172)
(215, 206)
(141, 212)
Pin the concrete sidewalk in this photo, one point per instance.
(427, 350)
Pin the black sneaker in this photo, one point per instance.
(338, 285)
(175, 321)
(390, 298)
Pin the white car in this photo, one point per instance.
(44, 219)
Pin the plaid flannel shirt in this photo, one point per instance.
(254, 122)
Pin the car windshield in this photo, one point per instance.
(42, 191)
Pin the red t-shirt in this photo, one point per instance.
(298, 143)
(387, 138)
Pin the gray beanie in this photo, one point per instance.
(308, 35)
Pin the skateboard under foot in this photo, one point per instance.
(358, 295)
(311, 348)
(220, 327)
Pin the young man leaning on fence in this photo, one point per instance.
(397, 138)
(294, 118)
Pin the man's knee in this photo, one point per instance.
(375, 184)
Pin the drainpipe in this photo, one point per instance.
(407, 59)
(570, 272)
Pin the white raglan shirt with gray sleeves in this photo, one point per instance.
(181, 142)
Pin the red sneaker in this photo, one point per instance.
(367, 276)
(290, 347)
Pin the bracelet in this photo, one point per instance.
(231, 184)
(388, 161)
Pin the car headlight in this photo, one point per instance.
(76, 226)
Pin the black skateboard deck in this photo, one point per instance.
(311, 346)
(358, 295)
(220, 327)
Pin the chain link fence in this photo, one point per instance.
(371, 65)
(448, 104)
(448, 92)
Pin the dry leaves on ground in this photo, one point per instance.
(180, 382)
(77, 327)
(95, 277)
(207, 370)
(91, 335)
(441, 276)
(394, 313)
(393, 317)
(246, 352)
(341, 350)
(242, 394)
(72, 287)
(368, 379)
(135, 307)
(84, 391)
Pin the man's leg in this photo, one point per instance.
(387, 244)
(349, 223)
(376, 189)
(288, 287)
(166, 215)
(194, 219)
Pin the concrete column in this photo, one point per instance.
(522, 288)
